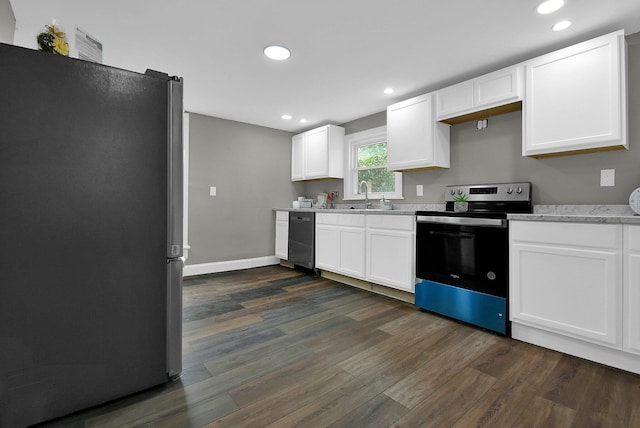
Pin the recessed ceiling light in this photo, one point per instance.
(303, 120)
(286, 116)
(388, 91)
(277, 52)
(549, 6)
(562, 25)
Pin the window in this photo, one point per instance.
(367, 161)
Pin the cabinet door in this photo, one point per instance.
(297, 157)
(497, 88)
(327, 256)
(414, 138)
(390, 258)
(575, 98)
(632, 288)
(316, 153)
(282, 235)
(565, 278)
(455, 100)
(352, 252)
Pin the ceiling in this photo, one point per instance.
(344, 52)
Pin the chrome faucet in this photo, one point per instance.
(367, 204)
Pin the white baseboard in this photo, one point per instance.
(215, 267)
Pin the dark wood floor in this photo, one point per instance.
(275, 347)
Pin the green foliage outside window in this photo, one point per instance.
(371, 166)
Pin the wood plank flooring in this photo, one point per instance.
(274, 347)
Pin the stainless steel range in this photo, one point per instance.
(462, 258)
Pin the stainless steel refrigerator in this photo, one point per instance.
(91, 233)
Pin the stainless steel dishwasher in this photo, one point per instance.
(302, 231)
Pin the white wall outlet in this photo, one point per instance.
(213, 191)
(607, 177)
(419, 190)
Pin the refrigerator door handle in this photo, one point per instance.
(175, 169)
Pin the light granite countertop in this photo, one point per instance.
(558, 213)
(580, 214)
(398, 209)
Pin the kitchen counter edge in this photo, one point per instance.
(348, 211)
(612, 214)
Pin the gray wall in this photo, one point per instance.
(251, 168)
(495, 155)
(7, 22)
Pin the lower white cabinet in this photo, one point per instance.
(631, 325)
(340, 243)
(376, 248)
(282, 234)
(575, 288)
(565, 277)
(391, 251)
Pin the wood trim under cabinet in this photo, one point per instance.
(370, 286)
(483, 114)
(578, 152)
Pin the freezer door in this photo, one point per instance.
(174, 317)
(175, 169)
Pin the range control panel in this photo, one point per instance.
(517, 191)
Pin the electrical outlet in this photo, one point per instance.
(213, 191)
(419, 190)
(607, 177)
(335, 192)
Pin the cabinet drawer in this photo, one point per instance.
(394, 222)
(325, 218)
(282, 215)
(632, 236)
(356, 220)
(563, 233)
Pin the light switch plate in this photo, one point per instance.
(419, 190)
(607, 177)
(213, 191)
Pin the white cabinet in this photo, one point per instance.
(376, 248)
(414, 139)
(297, 157)
(390, 251)
(575, 98)
(565, 278)
(340, 243)
(318, 153)
(282, 234)
(493, 93)
(631, 237)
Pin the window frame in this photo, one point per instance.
(352, 142)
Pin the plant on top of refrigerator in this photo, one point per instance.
(53, 40)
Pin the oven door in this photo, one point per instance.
(464, 252)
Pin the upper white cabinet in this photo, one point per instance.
(414, 139)
(575, 98)
(318, 153)
(493, 93)
(631, 290)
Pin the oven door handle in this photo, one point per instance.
(464, 221)
(452, 234)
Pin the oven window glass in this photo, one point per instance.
(472, 257)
